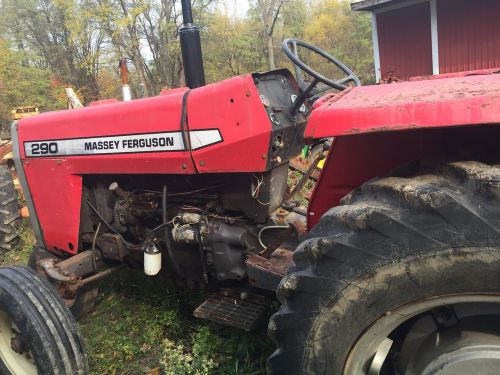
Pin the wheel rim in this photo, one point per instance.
(470, 343)
(16, 363)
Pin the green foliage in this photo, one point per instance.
(200, 360)
(345, 35)
(49, 44)
(24, 84)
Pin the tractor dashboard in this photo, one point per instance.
(278, 90)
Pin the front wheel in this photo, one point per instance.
(37, 332)
(403, 278)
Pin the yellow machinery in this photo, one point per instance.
(22, 112)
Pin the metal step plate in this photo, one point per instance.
(232, 311)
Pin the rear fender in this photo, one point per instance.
(356, 159)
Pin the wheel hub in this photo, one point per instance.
(470, 360)
(464, 343)
(461, 349)
(17, 344)
(14, 353)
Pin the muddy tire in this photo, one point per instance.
(10, 219)
(37, 331)
(86, 297)
(432, 231)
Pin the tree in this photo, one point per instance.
(268, 12)
(24, 84)
(231, 48)
(344, 34)
(63, 33)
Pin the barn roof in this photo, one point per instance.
(373, 4)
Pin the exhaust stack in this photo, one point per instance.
(192, 57)
(126, 90)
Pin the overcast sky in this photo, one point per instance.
(239, 8)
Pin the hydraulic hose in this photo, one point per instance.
(168, 243)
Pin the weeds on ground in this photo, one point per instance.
(144, 323)
(22, 253)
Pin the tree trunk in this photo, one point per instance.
(270, 52)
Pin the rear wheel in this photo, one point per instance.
(10, 219)
(37, 332)
(403, 278)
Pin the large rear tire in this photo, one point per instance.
(10, 219)
(37, 332)
(399, 253)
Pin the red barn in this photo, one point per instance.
(424, 37)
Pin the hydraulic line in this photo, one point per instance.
(168, 243)
(93, 246)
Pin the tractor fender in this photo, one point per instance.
(356, 159)
(453, 101)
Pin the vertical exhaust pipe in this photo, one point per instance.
(192, 57)
(126, 90)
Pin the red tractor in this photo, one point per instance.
(394, 268)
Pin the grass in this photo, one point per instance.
(144, 325)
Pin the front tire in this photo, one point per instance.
(394, 243)
(42, 334)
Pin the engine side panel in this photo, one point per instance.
(216, 128)
(257, 130)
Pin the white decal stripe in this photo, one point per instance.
(120, 144)
(203, 138)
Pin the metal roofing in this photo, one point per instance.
(371, 4)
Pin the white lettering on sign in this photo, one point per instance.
(122, 144)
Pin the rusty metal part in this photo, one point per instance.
(49, 266)
(112, 246)
(80, 265)
(282, 235)
(267, 273)
(67, 273)
(298, 165)
(124, 71)
(307, 174)
(99, 275)
(17, 344)
(233, 308)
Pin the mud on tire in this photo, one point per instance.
(433, 230)
(10, 220)
(48, 333)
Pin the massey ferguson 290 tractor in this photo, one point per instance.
(394, 268)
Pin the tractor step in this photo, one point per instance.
(240, 310)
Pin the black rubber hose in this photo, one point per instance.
(203, 258)
(168, 243)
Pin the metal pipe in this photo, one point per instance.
(168, 243)
(126, 91)
(99, 275)
(192, 56)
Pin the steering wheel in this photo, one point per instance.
(293, 55)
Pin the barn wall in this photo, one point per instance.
(405, 42)
(469, 35)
